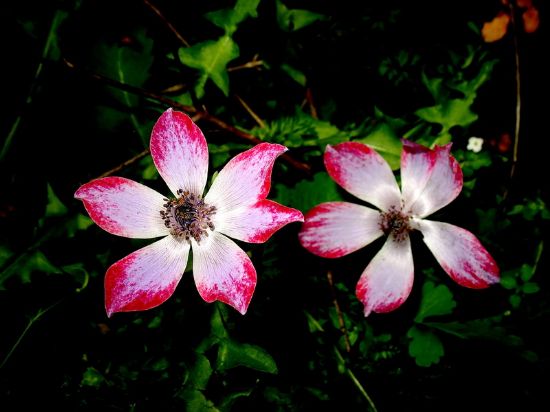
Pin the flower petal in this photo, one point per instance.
(145, 278)
(387, 281)
(123, 207)
(180, 153)
(460, 254)
(336, 229)
(417, 163)
(441, 188)
(256, 223)
(223, 272)
(364, 173)
(245, 179)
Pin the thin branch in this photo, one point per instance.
(341, 322)
(126, 163)
(251, 112)
(169, 25)
(201, 114)
(311, 104)
(518, 93)
(250, 65)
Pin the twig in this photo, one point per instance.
(343, 328)
(201, 114)
(166, 22)
(518, 92)
(251, 112)
(311, 104)
(250, 65)
(126, 163)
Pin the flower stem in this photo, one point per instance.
(341, 322)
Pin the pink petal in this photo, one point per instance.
(336, 229)
(364, 173)
(145, 278)
(430, 193)
(123, 207)
(460, 254)
(180, 153)
(223, 272)
(256, 223)
(245, 179)
(387, 281)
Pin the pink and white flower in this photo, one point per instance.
(235, 206)
(430, 179)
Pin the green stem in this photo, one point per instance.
(32, 321)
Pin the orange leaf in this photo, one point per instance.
(495, 29)
(530, 20)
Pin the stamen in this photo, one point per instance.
(188, 216)
(396, 223)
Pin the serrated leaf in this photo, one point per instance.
(211, 58)
(54, 207)
(384, 140)
(295, 19)
(453, 112)
(436, 301)
(308, 193)
(229, 19)
(425, 347)
(232, 354)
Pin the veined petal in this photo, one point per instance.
(147, 277)
(245, 179)
(223, 272)
(417, 163)
(336, 229)
(123, 207)
(179, 152)
(460, 254)
(387, 281)
(364, 173)
(442, 187)
(256, 223)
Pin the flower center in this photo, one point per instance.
(188, 216)
(395, 222)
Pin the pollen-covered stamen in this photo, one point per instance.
(396, 223)
(188, 216)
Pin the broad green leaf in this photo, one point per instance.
(295, 74)
(196, 401)
(308, 193)
(295, 19)
(453, 112)
(211, 58)
(436, 301)
(425, 347)
(54, 206)
(384, 140)
(76, 223)
(227, 402)
(229, 19)
(200, 372)
(232, 354)
(485, 329)
(434, 85)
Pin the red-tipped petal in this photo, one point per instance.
(123, 207)
(460, 254)
(364, 173)
(336, 229)
(145, 278)
(179, 152)
(441, 188)
(257, 223)
(417, 163)
(245, 179)
(387, 281)
(223, 272)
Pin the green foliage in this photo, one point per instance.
(229, 19)
(308, 193)
(436, 301)
(384, 140)
(425, 347)
(295, 19)
(232, 354)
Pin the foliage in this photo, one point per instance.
(87, 79)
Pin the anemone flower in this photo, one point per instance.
(430, 179)
(235, 206)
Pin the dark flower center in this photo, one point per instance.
(188, 216)
(396, 223)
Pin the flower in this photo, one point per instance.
(475, 144)
(430, 180)
(235, 206)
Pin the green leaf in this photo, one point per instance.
(308, 193)
(436, 301)
(295, 19)
(526, 272)
(211, 58)
(79, 273)
(453, 112)
(200, 372)
(530, 287)
(425, 347)
(54, 206)
(295, 74)
(92, 377)
(508, 281)
(485, 329)
(384, 140)
(229, 19)
(196, 401)
(28, 263)
(227, 402)
(232, 354)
